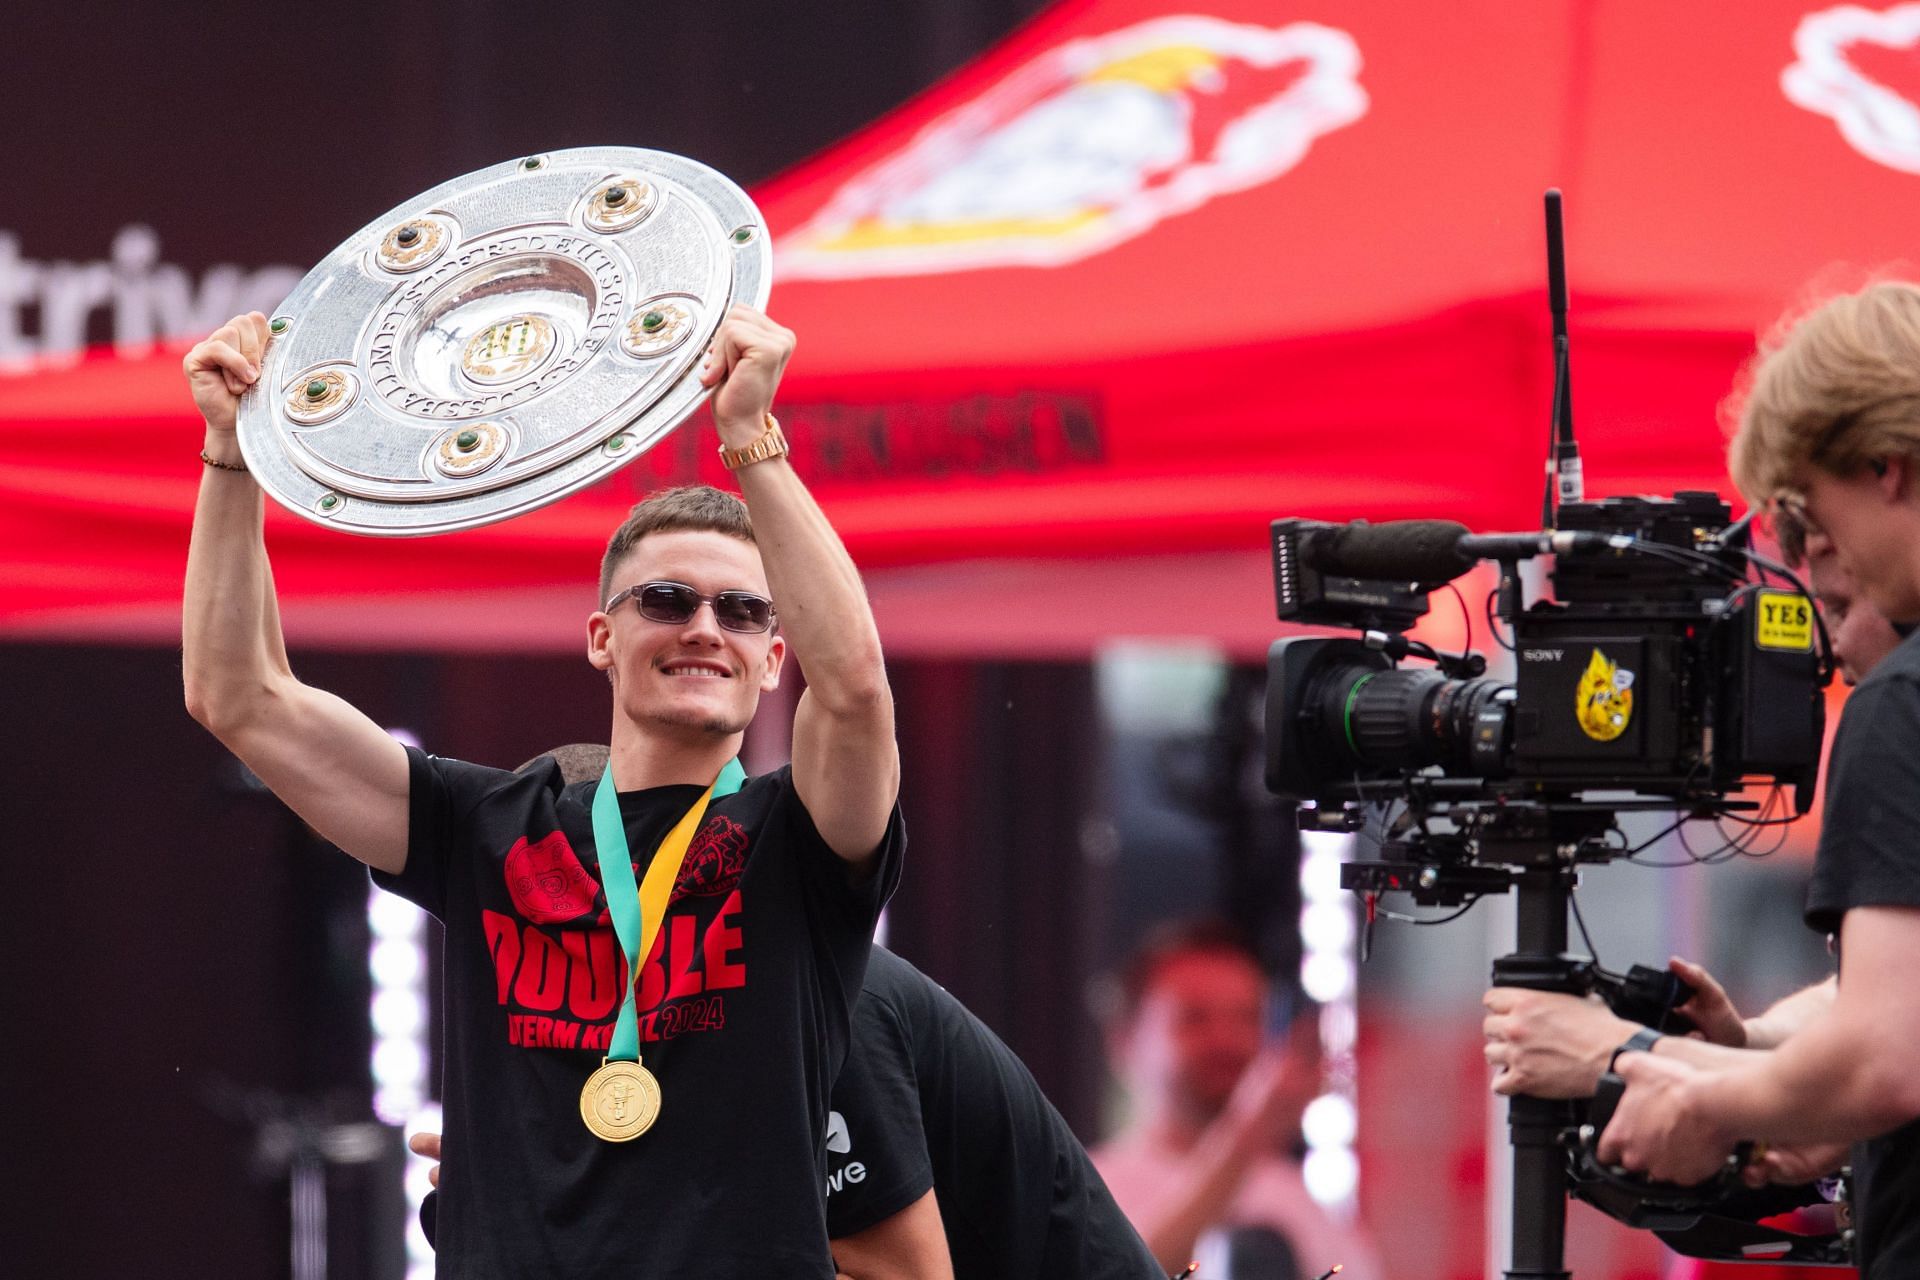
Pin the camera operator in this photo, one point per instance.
(1829, 438)
(1556, 1046)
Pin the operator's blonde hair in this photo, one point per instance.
(1836, 388)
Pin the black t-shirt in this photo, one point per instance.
(1870, 857)
(744, 1012)
(930, 1097)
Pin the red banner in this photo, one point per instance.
(1142, 279)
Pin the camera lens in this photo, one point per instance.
(1413, 718)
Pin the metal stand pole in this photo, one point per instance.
(1534, 1124)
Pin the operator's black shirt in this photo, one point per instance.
(930, 1098)
(1869, 856)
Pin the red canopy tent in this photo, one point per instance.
(1079, 321)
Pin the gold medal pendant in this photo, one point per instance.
(620, 1101)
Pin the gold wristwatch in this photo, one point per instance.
(770, 443)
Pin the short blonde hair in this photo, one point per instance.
(1835, 389)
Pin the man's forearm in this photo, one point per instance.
(1705, 1054)
(230, 623)
(1790, 1016)
(1836, 1081)
(823, 604)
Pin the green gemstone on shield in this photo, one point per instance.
(743, 235)
(616, 195)
(277, 325)
(467, 441)
(316, 390)
(653, 321)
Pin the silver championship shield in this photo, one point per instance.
(500, 341)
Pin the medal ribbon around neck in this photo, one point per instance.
(622, 1098)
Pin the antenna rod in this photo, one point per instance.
(1564, 478)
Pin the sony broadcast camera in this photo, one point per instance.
(1658, 668)
(1660, 674)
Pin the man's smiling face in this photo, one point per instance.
(696, 675)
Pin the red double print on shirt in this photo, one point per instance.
(557, 964)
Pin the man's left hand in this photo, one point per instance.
(743, 368)
(427, 1144)
(1660, 1128)
(1547, 1045)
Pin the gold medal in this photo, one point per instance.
(620, 1101)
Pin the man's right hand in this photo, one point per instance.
(1710, 1008)
(1794, 1164)
(220, 370)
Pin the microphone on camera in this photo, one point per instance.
(1422, 551)
(1524, 546)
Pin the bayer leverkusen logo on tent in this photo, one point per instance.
(1858, 66)
(1087, 146)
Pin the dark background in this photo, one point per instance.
(180, 952)
(265, 132)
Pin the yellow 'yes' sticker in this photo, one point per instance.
(1783, 620)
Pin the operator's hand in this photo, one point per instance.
(1795, 1164)
(1660, 1128)
(428, 1145)
(743, 366)
(220, 369)
(1710, 1008)
(1548, 1045)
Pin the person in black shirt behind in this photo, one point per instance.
(1830, 436)
(930, 1099)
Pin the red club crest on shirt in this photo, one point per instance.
(714, 860)
(546, 881)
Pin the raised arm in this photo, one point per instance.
(332, 765)
(846, 766)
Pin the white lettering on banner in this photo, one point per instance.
(146, 300)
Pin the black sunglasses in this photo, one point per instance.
(675, 603)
